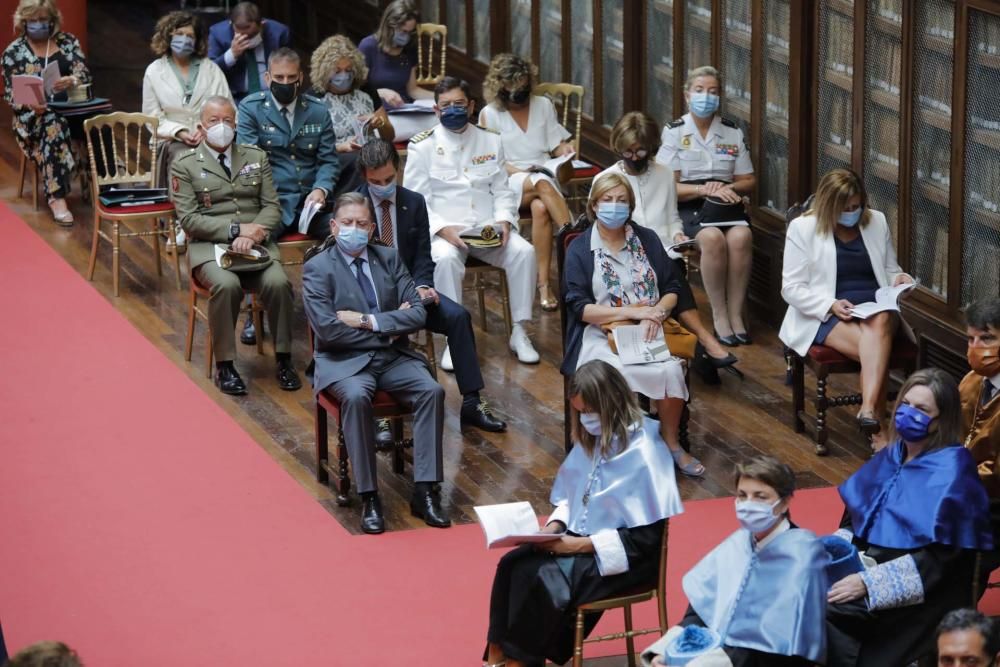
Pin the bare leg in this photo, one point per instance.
(541, 238)
(848, 338)
(714, 267)
(739, 243)
(691, 320)
(874, 350)
(669, 411)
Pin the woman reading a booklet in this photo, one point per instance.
(531, 135)
(837, 255)
(618, 271)
(613, 496)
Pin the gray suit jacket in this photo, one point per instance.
(329, 285)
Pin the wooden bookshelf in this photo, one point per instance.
(837, 152)
(739, 108)
(839, 79)
(738, 38)
(842, 7)
(887, 27)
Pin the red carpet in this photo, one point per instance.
(143, 526)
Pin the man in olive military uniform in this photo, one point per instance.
(224, 194)
(296, 132)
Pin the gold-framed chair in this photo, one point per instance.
(568, 99)
(479, 270)
(132, 162)
(36, 178)
(297, 242)
(432, 39)
(625, 602)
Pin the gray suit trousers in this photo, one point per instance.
(411, 384)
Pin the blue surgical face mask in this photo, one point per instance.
(383, 191)
(704, 105)
(912, 425)
(400, 38)
(182, 45)
(342, 80)
(612, 215)
(38, 30)
(591, 423)
(755, 516)
(454, 118)
(850, 218)
(351, 240)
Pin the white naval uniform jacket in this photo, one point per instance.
(462, 177)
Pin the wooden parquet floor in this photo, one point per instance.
(729, 422)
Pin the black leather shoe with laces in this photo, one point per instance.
(481, 416)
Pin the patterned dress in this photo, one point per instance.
(45, 138)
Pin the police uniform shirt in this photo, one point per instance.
(289, 107)
(720, 156)
(462, 177)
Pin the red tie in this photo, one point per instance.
(385, 225)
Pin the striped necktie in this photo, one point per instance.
(385, 224)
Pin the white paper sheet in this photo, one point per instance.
(511, 524)
(633, 349)
(417, 106)
(886, 298)
(308, 211)
(50, 75)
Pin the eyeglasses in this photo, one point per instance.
(635, 155)
(454, 105)
(363, 223)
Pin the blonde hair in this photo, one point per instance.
(704, 70)
(602, 184)
(396, 14)
(506, 69)
(603, 389)
(835, 189)
(635, 127)
(27, 8)
(328, 53)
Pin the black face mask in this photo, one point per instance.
(520, 96)
(284, 93)
(638, 166)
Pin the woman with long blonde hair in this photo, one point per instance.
(836, 256)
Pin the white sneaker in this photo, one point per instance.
(521, 346)
(446, 364)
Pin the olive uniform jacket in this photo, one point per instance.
(207, 201)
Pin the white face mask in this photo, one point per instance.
(755, 516)
(255, 41)
(220, 135)
(591, 422)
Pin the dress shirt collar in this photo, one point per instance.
(215, 154)
(377, 201)
(350, 260)
(995, 381)
(782, 527)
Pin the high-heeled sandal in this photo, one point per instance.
(689, 470)
(548, 305)
(64, 219)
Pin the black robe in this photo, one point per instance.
(857, 637)
(535, 595)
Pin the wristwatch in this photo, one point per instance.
(234, 231)
(365, 322)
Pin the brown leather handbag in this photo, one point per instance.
(680, 341)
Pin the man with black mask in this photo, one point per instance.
(296, 132)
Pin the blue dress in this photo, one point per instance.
(856, 280)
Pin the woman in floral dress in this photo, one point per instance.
(41, 133)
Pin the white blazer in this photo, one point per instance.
(809, 275)
(163, 97)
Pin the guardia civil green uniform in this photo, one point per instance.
(208, 202)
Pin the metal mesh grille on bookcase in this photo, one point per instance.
(612, 59)
(836, 74)
(582, 30)
(697, 34)
(933, 55)
(883, 52)
(735, 72)
(550, 69)
(660, 60)
(772, 164)
(981, 238)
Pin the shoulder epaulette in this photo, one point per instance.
(677, 123)
(729, 123)
(420, 136)
(311, 98)
(488, 129)
(253, 147)
(255, 97)
(187, 153)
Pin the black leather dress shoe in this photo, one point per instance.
(383, 434)
(743, 338)
(481, 416)
(229, 381)
(288, 379)
(371, 515)
(426, 505)
(249, 334)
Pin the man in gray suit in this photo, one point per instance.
(362, 304)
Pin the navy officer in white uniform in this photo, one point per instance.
(459, 169)
(710, 157)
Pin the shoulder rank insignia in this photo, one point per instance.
(729, 123)
(420, 136)
(677, 123)
(488, 129)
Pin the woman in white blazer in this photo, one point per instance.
(176, 84)
(836, 255)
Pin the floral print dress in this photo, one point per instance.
(625, 277)
(45, 138)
